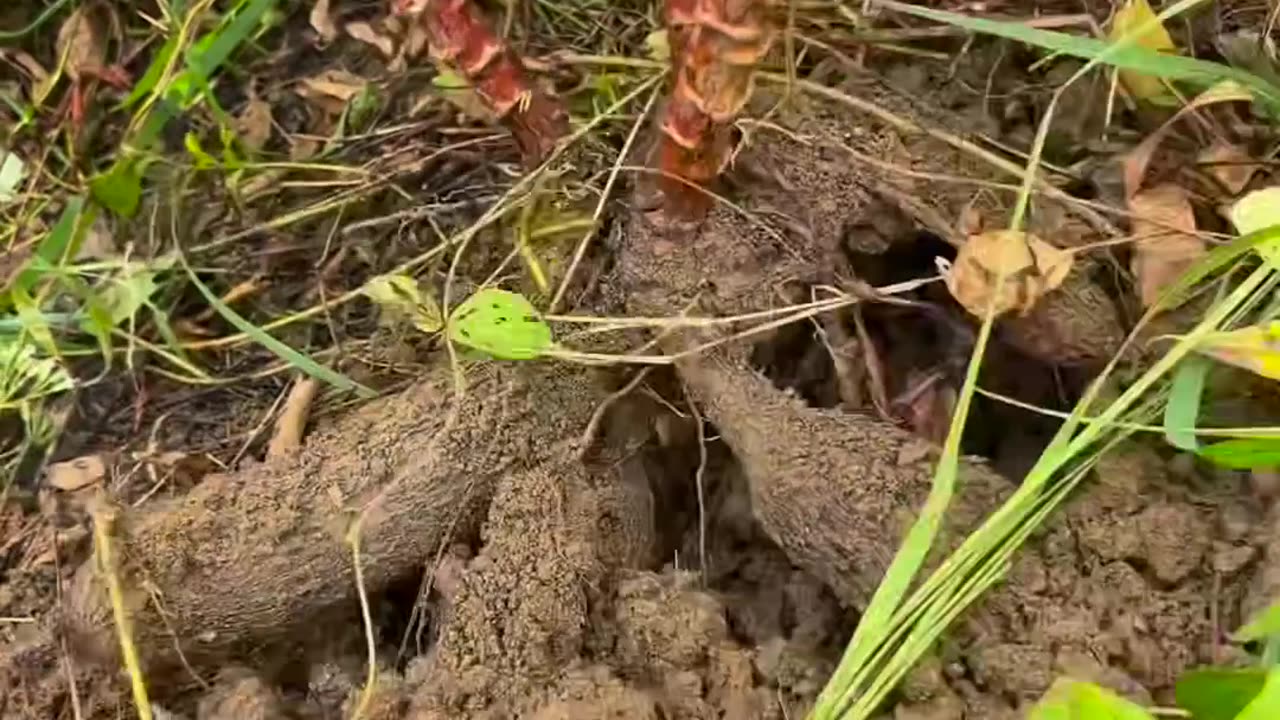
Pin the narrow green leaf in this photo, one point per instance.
(1244, 453)
(1261, 626)
(297, 359)
(1182, 413)
(155, 71)
(53, 248)
(33, 321)
(1071, 699)
(1266, 704)
(501, 323)
(1214, 693)
(1217, 259)
(1131, 57)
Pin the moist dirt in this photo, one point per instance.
(534, 545)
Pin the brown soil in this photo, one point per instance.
(643, 575)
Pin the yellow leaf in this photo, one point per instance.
(1031, 268)
(1256, 211)
(1255, 348)
(1137, 17)
(1164, 227)
(400, 297)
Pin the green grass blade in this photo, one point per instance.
(293, 357)
(53, 248)
(1201, 73)
(1182, 413)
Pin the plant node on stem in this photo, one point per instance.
(460, 37)
(715, 46)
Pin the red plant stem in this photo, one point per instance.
(460, 37)
(715, 46)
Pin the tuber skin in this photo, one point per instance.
(460, 37)
(243, 564)
(715, 46)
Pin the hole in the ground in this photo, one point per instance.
(917, 358)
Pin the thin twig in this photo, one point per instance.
(699, 479)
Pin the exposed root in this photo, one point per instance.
(245, 559)
(293, 418)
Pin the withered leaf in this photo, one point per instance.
(253, 125)
(1031, 268)
(322, 21)
(365, 33)
(1164, 227)
(82, 40)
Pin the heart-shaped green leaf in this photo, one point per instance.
(502, 324)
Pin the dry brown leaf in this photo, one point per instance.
(98, 243)
(1031, 268)
(76, 474)
(322, 21)
(24, 60)
(1164, 227)
(1135, 163)
(82, 39)
(1230, 165)
(332, 89)
(254, 123)
(365, 33)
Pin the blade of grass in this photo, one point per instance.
(1182, 413)
(1122, 55)
(297, 359)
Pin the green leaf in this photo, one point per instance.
(1266, 704)
(1256, 211)
(1071, 699)
(1264, 624)
(657, 45)
(120, 188)
(1214, 693)
(33, 322)
(126, 293)
(25, 377)
(204, 160)
(400, 297)
(502, 324)
(286, 353)
(1182, 413)
(1130, 57)
(1244, 453)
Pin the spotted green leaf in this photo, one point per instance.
(501, 324)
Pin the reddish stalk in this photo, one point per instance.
(460, 37)
(715, 46)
